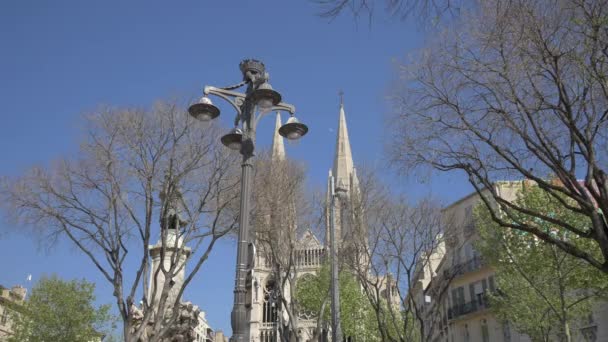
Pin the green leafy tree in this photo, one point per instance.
(357, 316)
(60, 310)
(542, 289)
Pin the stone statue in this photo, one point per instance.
(172, 204)
(182, 330)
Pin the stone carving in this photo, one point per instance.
(182, 330)
(172, 205)
(137, 318)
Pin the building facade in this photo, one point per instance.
(220, 337)
(450, 288)
(265, 311)
(203, 331)
(462, 278)
(9, 298)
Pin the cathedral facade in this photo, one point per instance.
(266, 312)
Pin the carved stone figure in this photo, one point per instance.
(172, 205)
(182, 330)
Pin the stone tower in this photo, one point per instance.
(345, 178)
(172, 242)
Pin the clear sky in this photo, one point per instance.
(60, 59)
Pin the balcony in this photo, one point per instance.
(309, 257)
(303, 258)
(589, 333)
(459, 310)
(268, 325)
(471, 265)
(268, 335)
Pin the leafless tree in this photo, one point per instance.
(280, 215)
(403, 239)
(516, 90)
(105, 200)
(422, 9)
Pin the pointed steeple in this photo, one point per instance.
(278, 148)
(343, 159)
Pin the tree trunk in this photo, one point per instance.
(566, 334)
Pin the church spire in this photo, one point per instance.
(343, 159)
(278, 148)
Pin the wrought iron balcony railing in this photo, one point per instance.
(470, 265)
(469, 307)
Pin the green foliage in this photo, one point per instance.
(542, 289)
(60, 310)
(356, 313)
(411, 328)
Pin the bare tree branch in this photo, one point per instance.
(515, 90)
(105, 199)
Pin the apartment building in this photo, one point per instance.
(203, 331)
(450, 289)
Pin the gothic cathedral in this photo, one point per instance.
(266, 312)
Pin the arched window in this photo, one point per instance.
(271, 303)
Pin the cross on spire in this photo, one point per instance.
(341, 93)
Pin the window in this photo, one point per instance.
(468, 251)
(454, 298)
(506, 332)
(492, 286)
(458, 296)
(472, 294)
(461, 295)
(469, 225)
(270, 307)
(4, 318)
(589, 332)
(479, 294)
(485, 334)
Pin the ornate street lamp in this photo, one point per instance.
(204, 110)
(293, 129)
(233, 139)
(259, 98)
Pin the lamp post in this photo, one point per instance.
(336, 326)
(258, 100)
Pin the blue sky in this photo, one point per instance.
(61, 59)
